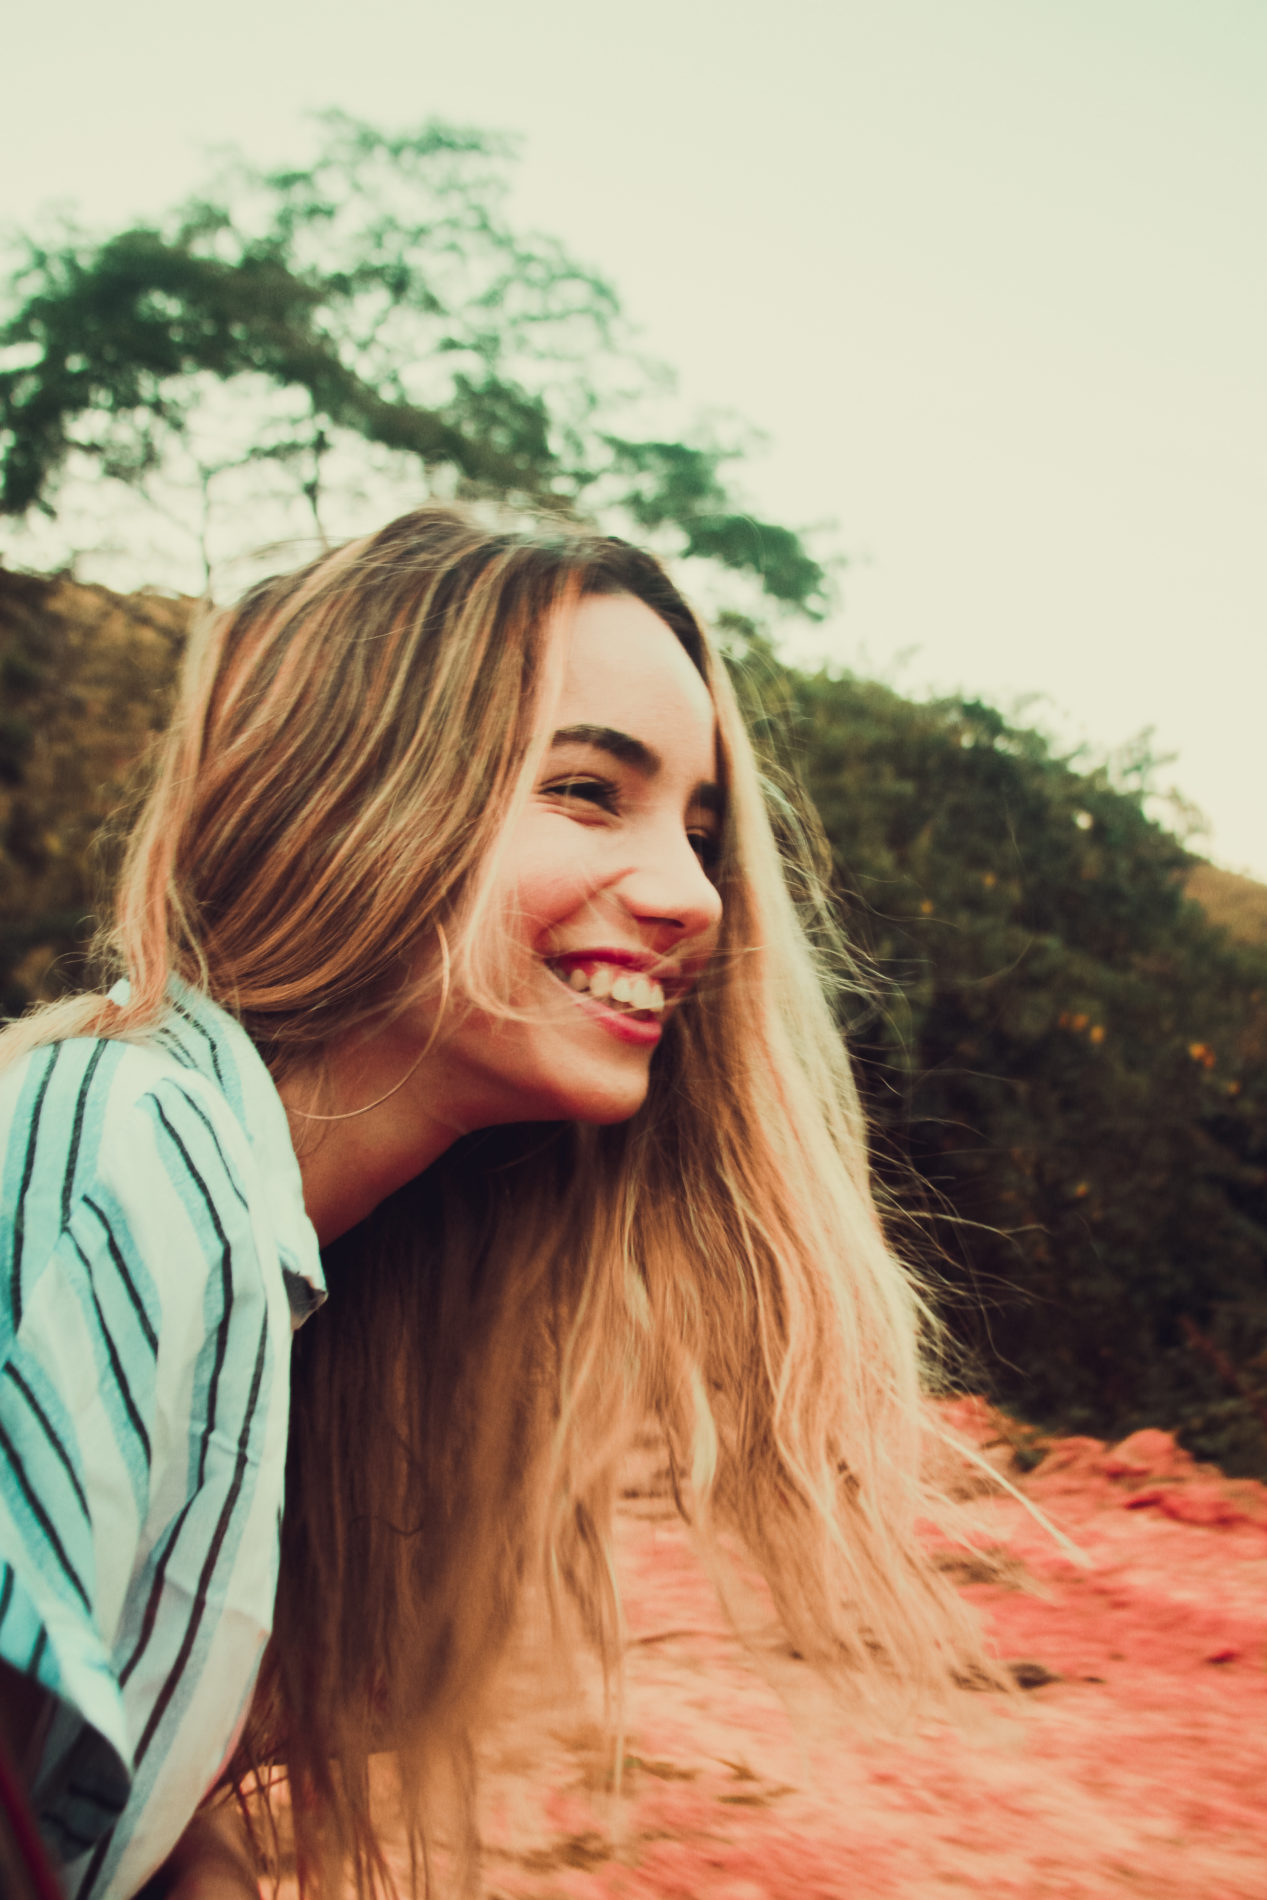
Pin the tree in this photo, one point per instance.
(355, 332)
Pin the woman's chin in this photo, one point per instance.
(598, 1100)
(606, 1115)
(599, 1107)
(506, 1071)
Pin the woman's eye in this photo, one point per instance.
(707, 848)
(590, 791)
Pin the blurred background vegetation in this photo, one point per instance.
(1059, 1014)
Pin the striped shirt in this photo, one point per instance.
(154, 1256)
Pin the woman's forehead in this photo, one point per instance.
(618, 657)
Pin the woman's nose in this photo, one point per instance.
(669, 887)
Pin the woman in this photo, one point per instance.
(455, 943)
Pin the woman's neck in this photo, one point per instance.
(363, 1119)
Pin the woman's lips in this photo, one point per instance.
(625, 1001)
(609, 983)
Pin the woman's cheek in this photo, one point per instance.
(557, 875)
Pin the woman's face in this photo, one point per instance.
(606, 887)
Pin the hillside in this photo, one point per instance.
(1238, 903)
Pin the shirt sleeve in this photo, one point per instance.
(135, 1338)
(68, 1317)
(50, 1627)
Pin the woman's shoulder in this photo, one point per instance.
(177, 1131)
(123, 1067)
(194, 1047)
(144, 1133)
(67, 1105)
(95, 1137)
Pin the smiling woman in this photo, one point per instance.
(457, 980)
(603, 883)
(602, 903)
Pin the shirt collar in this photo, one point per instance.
(206, 1037)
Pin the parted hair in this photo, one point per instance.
(349, 748)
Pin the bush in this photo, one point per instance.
(1062, 1058)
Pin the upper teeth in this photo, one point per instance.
(609, 983)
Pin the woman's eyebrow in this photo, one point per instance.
(621, 745)
(635, 752)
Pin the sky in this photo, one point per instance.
(990, 277)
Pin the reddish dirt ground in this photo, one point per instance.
(1137, 1764)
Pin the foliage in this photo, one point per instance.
(291, 337)
(1065, 1051)
(85, 681)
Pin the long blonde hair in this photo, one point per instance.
(349, 746)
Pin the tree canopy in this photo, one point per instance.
(309, 337)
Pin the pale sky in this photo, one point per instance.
(991, 276)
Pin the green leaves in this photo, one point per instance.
(679, 484)
(371, 314)
(1062, 1058)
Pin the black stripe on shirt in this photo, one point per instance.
(28, 1168)
(116, 1254)
(12, 1372)
(76, 1132)
(207, 1123)
(116, 1364)
(172, 1683)
(207, 1037)
(104, 1843)
(169, 1040)
(89, 1881)
(150, 1617)
(152, 1602)
(226, 1278)
(43, 1519)
(94, 1866)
